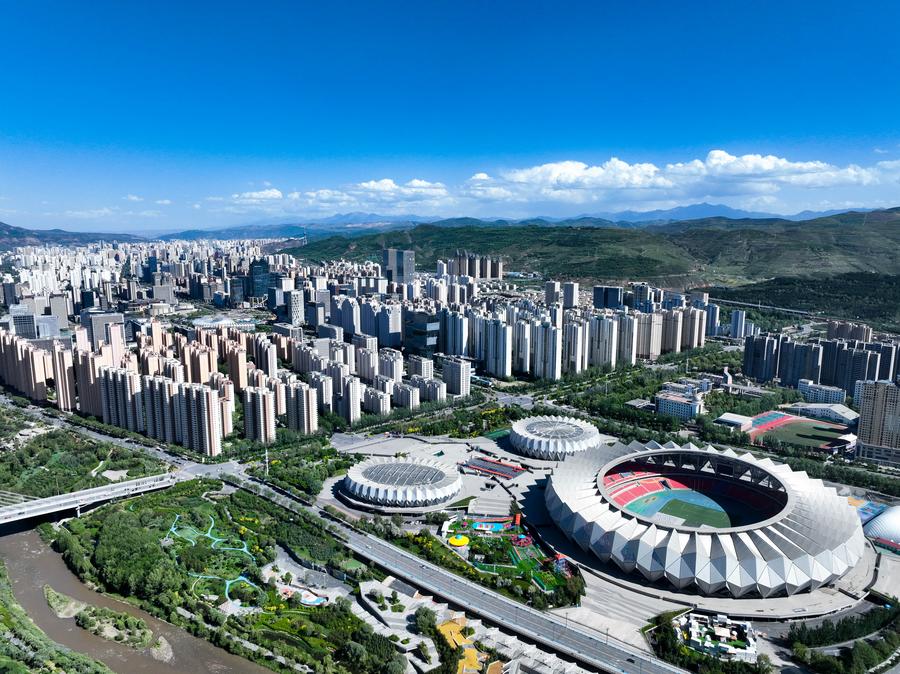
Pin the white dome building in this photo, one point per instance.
(553, 438)
(885, 526)
(402, 483)
(718, 522)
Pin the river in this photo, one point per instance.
(32, 564)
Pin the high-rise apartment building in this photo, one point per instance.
(547, 343)
(198, 418)
(64, 377)
(259, 414)
(498, 348)
(879, 422)
(551, 292)
(604, 342)
(457, 376)
(570, 294)
(399, 266)
(649, 335)
(390, 364)
(302, 408)
(122, 398)
(424, 367)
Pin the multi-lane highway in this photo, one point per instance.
(589, 648)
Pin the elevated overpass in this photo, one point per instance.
(37, 507)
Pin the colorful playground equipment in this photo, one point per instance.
(458, 541)
(491, 525)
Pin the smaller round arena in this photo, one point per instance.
(402, 483)
(553, 438)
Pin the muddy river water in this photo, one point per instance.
(32, 564)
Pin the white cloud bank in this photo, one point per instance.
(568, 187)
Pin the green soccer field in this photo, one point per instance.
(808, 433)
(696, 515)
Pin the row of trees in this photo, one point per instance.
(845, 629)
(859, 659)
(61, 461)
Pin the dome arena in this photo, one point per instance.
(553, 438)
(402, 483)
(716, 522)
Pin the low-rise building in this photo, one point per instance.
(839, 414)
(819, 393)
(682, 406)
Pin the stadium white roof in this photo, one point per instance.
(886, 525)
(813, 540)
(402, 483)
(553, 437)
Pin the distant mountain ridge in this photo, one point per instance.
(705, 250)
(360, 224)
(11, 237)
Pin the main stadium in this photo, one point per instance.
(700, 519)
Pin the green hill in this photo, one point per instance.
(711, 250)
(587, 252)
(865, 296)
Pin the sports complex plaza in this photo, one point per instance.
(696, 525)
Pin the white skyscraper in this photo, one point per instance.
(498, 348)
(522, 347)
(628, 332)
(570, 294)
(457, 376)
(603, 342)
(302, 408)
(546, 340)
(259, 414)
(575, 349)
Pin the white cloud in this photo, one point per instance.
(259, 196)
(132, 197)
(91, 213)
(164, 202)
(567, 187)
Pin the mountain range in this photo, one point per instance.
(362, 223)
(715, 250)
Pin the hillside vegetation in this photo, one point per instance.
(711, 250)
(864, 296)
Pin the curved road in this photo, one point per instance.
(585, 646)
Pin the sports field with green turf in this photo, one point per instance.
(695, 515)
(808, 433)
(692, 508)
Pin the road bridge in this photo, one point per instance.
(38, 507)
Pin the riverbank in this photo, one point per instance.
(24, 647)
(32, 564)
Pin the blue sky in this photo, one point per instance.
(167, 115)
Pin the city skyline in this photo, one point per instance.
(209, 116)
